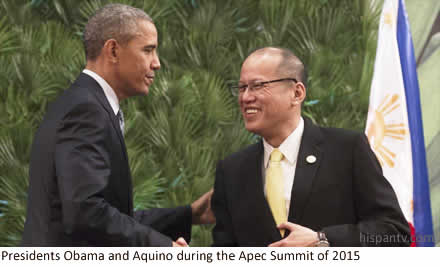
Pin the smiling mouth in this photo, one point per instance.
(150, 79)
(250, 112)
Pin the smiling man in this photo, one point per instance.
(301, 185)
(80, 191)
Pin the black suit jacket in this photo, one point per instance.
(80, 191)
(343, 194)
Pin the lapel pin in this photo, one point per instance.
(311, 159)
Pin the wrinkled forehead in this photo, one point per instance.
(145, 34)
(145, 28)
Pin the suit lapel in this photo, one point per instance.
(99, 93)
(102, 99)
(257, 209)
(104, 102)
(305, 170)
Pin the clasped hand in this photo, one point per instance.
(201, 214)
(299, 236)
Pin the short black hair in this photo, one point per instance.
(112, 21)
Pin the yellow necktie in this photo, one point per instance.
(275, 188)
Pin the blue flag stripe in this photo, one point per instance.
(422, 206)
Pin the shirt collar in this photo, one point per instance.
(289, 147)
(108, 90)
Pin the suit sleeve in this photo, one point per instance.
(82, 162)
(222, 233)
(380, 219)
(172, 222)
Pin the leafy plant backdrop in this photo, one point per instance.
(189, 120)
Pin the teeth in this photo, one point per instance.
(251, 111)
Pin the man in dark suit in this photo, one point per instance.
(80, 191)
(302, 185)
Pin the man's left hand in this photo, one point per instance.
(299, 236)
(201, 209)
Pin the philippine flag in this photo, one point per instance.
(394, 123)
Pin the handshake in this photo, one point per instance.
(201, 214)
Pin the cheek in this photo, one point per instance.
(240, 102)
(136, 62)
(139, 63)
(275, 106)
(266, 93)
(146, 61)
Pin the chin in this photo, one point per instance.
(144, 91)
(252, 128)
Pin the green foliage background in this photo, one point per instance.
(190, 120)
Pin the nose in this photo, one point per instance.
(247, 96)
(155, 63)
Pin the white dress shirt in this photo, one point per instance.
(108, 90)
(290, 149)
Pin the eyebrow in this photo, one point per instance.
(252, 81)
(150, 46)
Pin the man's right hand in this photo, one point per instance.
(201, 209)
(180, 242)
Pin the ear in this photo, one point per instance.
(111, 50)
(299, 93)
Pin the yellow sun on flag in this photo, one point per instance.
(388, 18)
(379, 129)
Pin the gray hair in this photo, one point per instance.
(113, 21)
(290, 66)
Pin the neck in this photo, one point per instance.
(278, 137)
(105, 72)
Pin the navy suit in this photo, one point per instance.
(80, 191)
